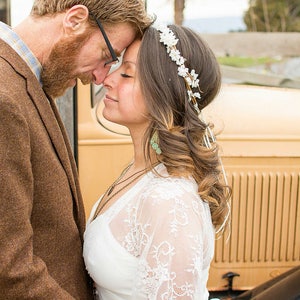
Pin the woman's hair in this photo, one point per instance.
(109, 12)
(179, 129)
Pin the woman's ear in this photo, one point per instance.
(75, 20)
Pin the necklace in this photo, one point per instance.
(117, 182)
(108, 192)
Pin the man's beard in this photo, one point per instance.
(58, 70)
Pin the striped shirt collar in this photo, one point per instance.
(12, 39)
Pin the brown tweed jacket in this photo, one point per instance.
(41, 211)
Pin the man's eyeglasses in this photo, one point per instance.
(114, 58)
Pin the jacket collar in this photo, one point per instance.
(14, 41)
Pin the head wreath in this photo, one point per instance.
(167, 37)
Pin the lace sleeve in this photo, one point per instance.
(173, 240)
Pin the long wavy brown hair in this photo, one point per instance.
(179, 129)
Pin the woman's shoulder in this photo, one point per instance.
(163, 187)
(163, 180)
(164, 198)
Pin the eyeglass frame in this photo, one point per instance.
(112, 52)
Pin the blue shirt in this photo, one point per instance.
(12, 39)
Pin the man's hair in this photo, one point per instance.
(109, 12)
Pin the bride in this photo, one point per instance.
(151, 235)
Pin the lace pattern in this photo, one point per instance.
(166, 229)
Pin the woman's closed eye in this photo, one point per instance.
(128, 69)
(126, 75)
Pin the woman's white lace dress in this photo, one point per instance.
(155, 242)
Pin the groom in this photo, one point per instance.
(42, 217)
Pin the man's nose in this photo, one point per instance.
(99, 74)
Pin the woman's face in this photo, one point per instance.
(124, 102)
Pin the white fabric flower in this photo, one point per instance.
(195, 83)
(197, 95)
(168, 38)
(182, 71)
(194, 74)
(175, 55)
(190, 94)
(188, 80)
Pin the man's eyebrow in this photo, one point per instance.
(118, 53)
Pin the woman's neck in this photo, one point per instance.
(139, 159)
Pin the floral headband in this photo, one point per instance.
(167, 37)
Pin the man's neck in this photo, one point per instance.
(40, 34)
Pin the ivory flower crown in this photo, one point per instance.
(168, 38)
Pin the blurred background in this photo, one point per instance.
(205, 16)
(256, 41)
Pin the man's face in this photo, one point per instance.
(82, 56)
(58, 71)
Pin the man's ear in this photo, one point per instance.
(75, 20)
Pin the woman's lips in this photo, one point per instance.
(108, 98)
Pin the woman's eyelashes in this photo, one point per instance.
(126, 75)
(128, 69)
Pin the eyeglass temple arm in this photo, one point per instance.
(111, 50)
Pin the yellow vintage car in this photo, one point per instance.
(258, 129)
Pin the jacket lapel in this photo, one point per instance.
(51, 119)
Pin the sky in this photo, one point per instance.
(195, 10)
(199, 8)
(204, 16)
(19, 10)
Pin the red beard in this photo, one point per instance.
(58, 70)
